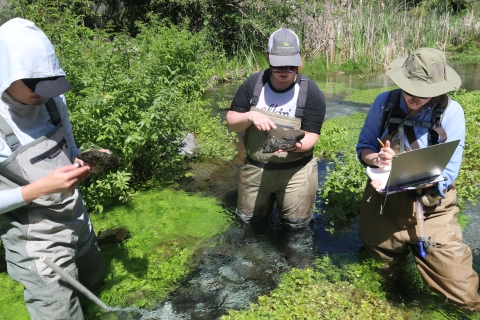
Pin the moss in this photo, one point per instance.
(167, 229)
(11, 299)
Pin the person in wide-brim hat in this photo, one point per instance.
(418, 115)
(424, 73)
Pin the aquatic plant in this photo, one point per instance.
(11, 299)
(468, 186)
(167, 227)
(337, 288)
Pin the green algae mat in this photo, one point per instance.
(166, 229)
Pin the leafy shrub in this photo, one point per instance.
(137, 97)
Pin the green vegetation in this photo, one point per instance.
(11, 299)
(339, 289)
(136, 96)
(468, 186)
(138, 72)
(167, 228)
(345, 180)
(365, 96)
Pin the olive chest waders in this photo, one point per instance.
(56, 225)
(389, 229)
(288, 179)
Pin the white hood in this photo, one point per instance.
(25, 52)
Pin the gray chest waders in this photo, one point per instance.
(50, 225)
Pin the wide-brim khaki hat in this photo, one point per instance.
(424, 73)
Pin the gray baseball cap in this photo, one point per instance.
(284, 48)
(424, 73)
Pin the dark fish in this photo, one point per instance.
(103, 161)
(281, 139)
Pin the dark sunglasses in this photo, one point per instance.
(411, 95)
(287, 69)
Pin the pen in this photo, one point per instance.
(381, 143)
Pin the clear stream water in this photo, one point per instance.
(243, 263)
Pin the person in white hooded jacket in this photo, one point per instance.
(41, 210)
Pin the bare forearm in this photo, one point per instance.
(238, 122)
(308, 142)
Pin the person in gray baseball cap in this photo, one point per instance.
(278, 98)
(418, 115)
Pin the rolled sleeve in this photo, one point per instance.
(371, 129)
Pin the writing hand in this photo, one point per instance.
(377, 183)
(385, 156)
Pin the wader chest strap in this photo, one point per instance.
(257, 90)
(9, 135)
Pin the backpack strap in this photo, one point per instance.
(437, 133)
(53, 111)
(12, 139)
(302, 96)
(393, 101)
(396, 120)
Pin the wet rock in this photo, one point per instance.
(281, 139)
(110, 236)
(103, 161)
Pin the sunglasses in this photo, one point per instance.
(411, 95)
(287, 69)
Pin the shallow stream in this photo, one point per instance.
(243, 263)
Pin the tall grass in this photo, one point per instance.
(373, 33)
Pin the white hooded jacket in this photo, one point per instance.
(25, 52)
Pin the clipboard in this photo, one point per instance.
(415, 168)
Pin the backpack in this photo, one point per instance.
(302, 94)
(393, 117)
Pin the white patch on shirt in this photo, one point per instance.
(284, 104)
